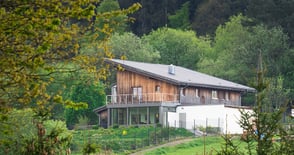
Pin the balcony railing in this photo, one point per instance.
(192, 100)
(165, 98)
(143, 98)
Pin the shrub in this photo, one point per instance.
(90, 148)
(210, 130)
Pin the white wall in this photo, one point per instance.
(208, 115)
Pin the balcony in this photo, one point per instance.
(193, 100)
(161, 98)
(142, 99)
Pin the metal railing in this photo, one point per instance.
(142, 98)
(165, 98)
(192, 100)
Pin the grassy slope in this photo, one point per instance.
(195, 147)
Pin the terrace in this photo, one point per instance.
(163, 98)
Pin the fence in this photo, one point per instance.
(126, 139)
(201, 126)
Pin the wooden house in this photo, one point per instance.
(146, 93)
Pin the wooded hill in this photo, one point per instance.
(204, 16)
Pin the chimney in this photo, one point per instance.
(171, 69)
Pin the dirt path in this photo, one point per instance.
(172, 143)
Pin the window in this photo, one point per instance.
(196, 92)
(214, 94)
(227, 97)
(137, 92)
(157, 88)
(114, 94)
(183, 92)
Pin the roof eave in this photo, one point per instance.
(136, 70)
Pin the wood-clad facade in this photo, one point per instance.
(148, 88)
(126, 80)
(131, 85)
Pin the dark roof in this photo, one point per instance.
(100, 109)
(182, 76)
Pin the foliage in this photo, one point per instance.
(287, 140)
(230, 147)
(153, 15)
(236, 50)
(265, 120)
(91, 93)
(180, 20)
(30, 137)
(273, 13)
(90, 148)
(209, 15)
(117, 23)
(210, 129)
(38, 41)
(14, 140)
(82, 123)
(178, 47)
(35, 36)
(132, 47)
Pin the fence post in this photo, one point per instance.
(218, 123)
(168, 132)
(148, 136)
(155, 135)
(175, 124)
(205, 137)
(161, 135)
(135, 141)
(194, 128)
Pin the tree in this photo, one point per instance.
(236, 48)
(229, 40)
(181, 18)
(153, 15)
(209, 15)
(132, 47)
(273, 13)
(54, 135)
(91, 93)
(267, 113)
(38, 40)
(264, 122)
(117, 23)
(35, 36)
(178, 47)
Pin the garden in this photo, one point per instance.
(124, 140)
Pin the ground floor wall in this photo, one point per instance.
(201, 116)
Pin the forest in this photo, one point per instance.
(221, 38)
(51, 55)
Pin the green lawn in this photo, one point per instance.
(213, 144)
(194, 147)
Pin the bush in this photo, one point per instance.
(210, 130)
(95, 127)
(90, 148)
(115, 126)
